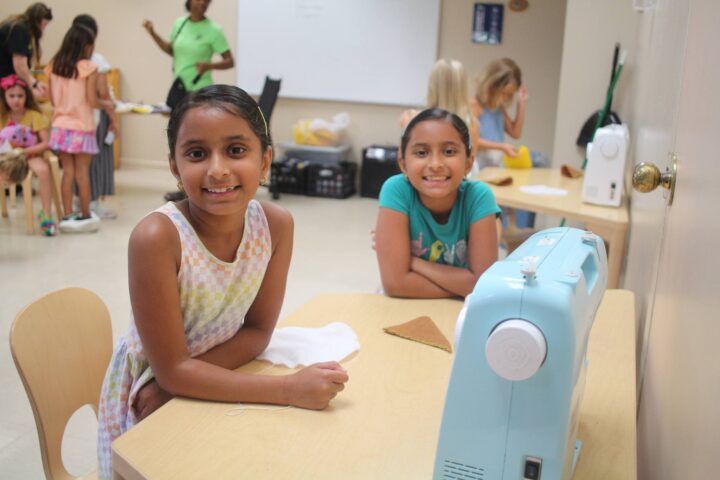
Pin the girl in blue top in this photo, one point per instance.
(497, 85)
(436, 231)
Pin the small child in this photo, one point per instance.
(207, 277)
(73, 93)
(20, 113)
(447, 89)
(436, 231)
(497, 85)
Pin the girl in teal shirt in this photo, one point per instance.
(436, 231)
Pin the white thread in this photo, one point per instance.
(243, 407)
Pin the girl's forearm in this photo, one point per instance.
(199, 379)
(459, 281)
(36, 150)
(516, 127)
(483, 144)
(415, 285)
(238, 350)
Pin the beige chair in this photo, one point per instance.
(61, 345)
(27, 195)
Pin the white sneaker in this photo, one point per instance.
(76, 224)
(102, 212)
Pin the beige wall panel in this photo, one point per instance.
(533, 38)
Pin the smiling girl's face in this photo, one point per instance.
(435, 161)
(219, 159)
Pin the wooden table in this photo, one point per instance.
(609, 222)
(386, 422)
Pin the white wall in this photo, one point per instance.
(591, 30)
(533, 38)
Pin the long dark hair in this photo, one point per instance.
(88, 21)
(229, 98)
(72, 50)
(31, 18)
(436, 114)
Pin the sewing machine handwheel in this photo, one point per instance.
(516, 349)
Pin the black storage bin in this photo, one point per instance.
(332, 180)
(288, 175)
(378, 164)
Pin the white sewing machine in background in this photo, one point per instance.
(605, 170)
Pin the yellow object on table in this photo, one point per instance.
(521, 161)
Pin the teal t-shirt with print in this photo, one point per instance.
(430, 240)
(197, 42)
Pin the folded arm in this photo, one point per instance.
(482, 252)
(155, 302)
(392, 244)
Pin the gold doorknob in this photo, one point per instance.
(646, 178)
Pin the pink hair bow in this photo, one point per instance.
(10, 81)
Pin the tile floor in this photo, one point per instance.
(332, 254)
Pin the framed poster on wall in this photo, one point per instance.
(488, 23)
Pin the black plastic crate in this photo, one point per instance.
(331, 180)
(288, 175)
(378, 164)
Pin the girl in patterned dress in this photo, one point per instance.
(207, 277)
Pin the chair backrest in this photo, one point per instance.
(61, 345)
(268, 97)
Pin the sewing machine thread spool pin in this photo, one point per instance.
(529, 270)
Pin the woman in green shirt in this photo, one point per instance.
(194, 40)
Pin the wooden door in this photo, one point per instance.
(672, 258)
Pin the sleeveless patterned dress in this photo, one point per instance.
(214, 298)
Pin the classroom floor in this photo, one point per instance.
(332, 253)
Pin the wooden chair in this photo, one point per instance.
(27, 195)
(61, 345)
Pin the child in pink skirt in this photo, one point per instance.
(73, 94)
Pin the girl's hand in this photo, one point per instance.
(148, 25)
(509, 150)
(522, 95)
(41, 92)
(150, 398)
(313, 387)
(372, 237)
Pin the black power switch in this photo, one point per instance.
(532, 468)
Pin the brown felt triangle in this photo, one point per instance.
(423, 330)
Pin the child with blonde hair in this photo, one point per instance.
(496, 86)
(448, 90)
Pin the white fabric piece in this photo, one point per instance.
(544, 190)
(293, 346)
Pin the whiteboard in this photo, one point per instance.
(371, 51)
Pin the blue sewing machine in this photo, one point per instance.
(511, 410)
